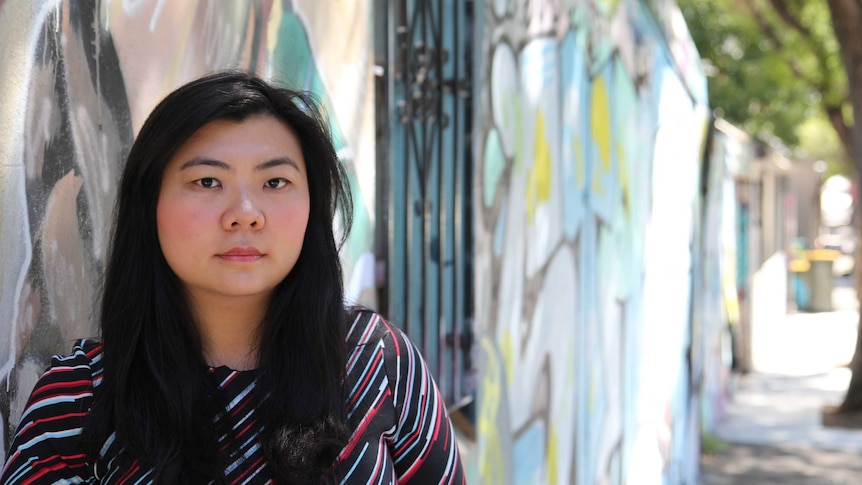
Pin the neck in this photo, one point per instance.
(229, 328)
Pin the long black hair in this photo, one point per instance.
(154, 394)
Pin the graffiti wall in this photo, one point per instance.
(77, 79)
(592, 122)
(716, 314)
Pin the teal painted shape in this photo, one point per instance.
(530, 450)
(294, 62)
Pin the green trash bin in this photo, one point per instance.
(820, 279)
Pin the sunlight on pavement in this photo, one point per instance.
(810, 343)
(800, 367)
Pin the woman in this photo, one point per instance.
(226, 353)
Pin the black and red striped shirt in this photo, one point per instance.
(401, 431)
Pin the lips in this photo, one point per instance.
(241, 254)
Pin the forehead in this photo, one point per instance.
(257, 138)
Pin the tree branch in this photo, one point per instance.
(779, 46)
(836, 118)
(833, 112)
(781, 9)
(820, 54)
(847, 23)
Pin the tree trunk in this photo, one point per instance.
(847, 21)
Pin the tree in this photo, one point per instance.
(847, 22)
(772, 65)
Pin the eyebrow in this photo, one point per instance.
(275, 162)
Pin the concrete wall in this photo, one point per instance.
(591, 126)
(766, 216)
(77, 79)
(716, 303)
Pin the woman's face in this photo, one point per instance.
(233, 208)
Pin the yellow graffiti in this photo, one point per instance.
(600, 121)
(551, 458)
(612, 4)
(491, 466)
(539, 182)
(507, 348)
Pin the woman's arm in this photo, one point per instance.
(46, 447)
(424, 446)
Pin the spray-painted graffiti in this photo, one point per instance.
(589, 161)
(78, 78)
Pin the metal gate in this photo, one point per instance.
(424, 112)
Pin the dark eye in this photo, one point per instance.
(276, 183)
(208, 182)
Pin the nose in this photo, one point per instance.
(244, 214)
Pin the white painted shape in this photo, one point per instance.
(361, 278)
(511, 278)
(504, 90)
(667, 279)
(500, 7)
(610, 328)
(646, 465)
(22, 23)
(554, 335)
(539, 65)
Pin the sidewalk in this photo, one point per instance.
(772, 424)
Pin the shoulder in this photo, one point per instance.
(70, 377)
(364, 326)
(367, 328)
(84, 352)
(46, 445)
(372, 339)
(84, 359)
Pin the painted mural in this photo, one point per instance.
(588, 166)
(79, 77)
(716, 313)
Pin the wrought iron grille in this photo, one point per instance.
(424, 113)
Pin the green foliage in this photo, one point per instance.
(818, 141)
(711, 444)
(771, 64)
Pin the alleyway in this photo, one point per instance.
(772, 425)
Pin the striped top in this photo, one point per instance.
(401, 431)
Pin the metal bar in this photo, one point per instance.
(465, 220)
(407, 51)
(427, 175)
(384, 180)
(442, 208)
(424, 173)
(392, 57)
(436, 261)
(455, 317)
